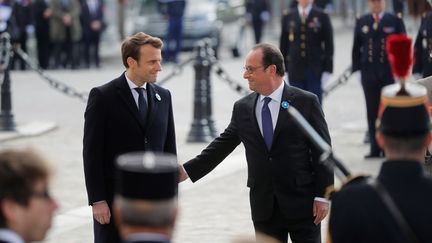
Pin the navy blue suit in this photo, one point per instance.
(369, 56)
(307, 47)
(91, 37)
(113, 126)
(423, 48)
(283, 180)
(358, 214)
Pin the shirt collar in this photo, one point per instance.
(380, 15)
(276, 95)
(132, 85)
(10, 236)
(307, 9)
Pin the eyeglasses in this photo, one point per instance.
(250, 69)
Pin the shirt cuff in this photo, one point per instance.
(321, 199)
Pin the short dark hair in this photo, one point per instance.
(271, 56)
(132, 44)
(19, 170)
(405, 145)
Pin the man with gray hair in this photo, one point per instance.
(146, 213)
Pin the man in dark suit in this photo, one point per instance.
(358, 212)
(398, 7)
(26, 206)
(130, 113)
(41, 15)
(146, 214)
(306, 42)
(369, 56)
(287, 182)
(174, 11)
(92, 21)
(423, 47)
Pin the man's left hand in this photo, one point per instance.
(320, 211)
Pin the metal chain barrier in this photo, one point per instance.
(177, 70)
(57, 85)
(223, 75)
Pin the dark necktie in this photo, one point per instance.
(267, 124)
(142, 104)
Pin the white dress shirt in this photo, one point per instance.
(10, 236)
(135, 94)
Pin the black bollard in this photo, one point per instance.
(6, 117)
(202, 129)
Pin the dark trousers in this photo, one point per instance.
(372, 97)
(311, 83)
(65, 53)
(299, 230)
(43, 48)
(173, 39)
(91, 48)
(106, 233)
(257, 25)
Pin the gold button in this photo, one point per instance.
(303, 37)
(370, 59)
(303, 54)
(303, 45)
(370, 53)
(382, 60)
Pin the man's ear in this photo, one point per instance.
(131, 62)
(9, 208)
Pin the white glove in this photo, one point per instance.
(325, 77)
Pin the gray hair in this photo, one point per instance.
(136, 212)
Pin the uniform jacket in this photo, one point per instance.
(359, 215)
(423, 48)
(57, 27)
(289, 172)
(114, 126)
(308, 44)
(41, 23)
(369, 53)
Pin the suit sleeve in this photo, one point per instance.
(323, 174)
(93, 146)
(170, 144)
(215, 152)
(356, 50)
(328, 44)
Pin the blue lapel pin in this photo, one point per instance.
(285, 104)
(158, 97)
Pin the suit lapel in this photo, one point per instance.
(126, 95)
(252, 103)
(283, 117)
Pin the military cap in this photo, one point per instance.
(147, 175)
(404, 115)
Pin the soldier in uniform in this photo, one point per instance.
(423, 46)
(370, 58)
(360, 211)
(306, 42)
(146, 213)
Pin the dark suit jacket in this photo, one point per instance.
(290, 172)
(359, 215)
(423, 48)
(87, 17)
(113, 126)
(369, 53)
(308, 44)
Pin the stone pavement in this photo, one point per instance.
(215, 209)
